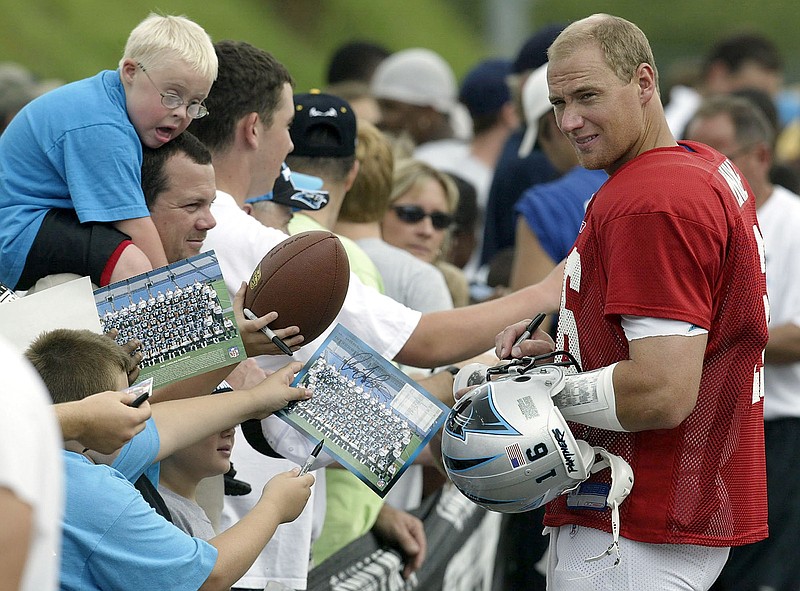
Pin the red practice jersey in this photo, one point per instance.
(673, 234)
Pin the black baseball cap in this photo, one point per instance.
(324, 126)
(484, 90)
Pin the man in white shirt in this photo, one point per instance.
(249, 140)
(31, 474)
(738, 129)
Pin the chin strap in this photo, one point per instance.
(621, 485)
(614, 547)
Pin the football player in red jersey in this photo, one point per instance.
(664, 306)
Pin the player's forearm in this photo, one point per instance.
(450, 336)
(144, 235)
(239, 546)
(652, 394)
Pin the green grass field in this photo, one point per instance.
(75, 39)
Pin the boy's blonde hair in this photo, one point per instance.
(159, 38)
(75, 364)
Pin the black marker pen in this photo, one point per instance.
(270, 335)
(530, 329)
(311, 458)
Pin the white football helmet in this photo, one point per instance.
(507, 447)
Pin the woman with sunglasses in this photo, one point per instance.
(420, 217)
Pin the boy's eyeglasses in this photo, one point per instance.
(412, 214)
(194, 109)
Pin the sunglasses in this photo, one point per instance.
(412, 214)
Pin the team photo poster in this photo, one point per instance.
(373, 418)
(182, 314)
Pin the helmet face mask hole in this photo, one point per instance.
(462, 404)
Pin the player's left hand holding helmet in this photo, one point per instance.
(508, 448)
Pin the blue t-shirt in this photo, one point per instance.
(71, 148)
(554, 211)
(113, 539)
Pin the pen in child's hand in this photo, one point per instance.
(530, 329)
(311, 458)
(140, 399)
(144, 390)
(270, 335)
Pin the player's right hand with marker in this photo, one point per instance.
(274, 392)
(539, 342)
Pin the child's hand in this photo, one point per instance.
(109, 422)
(133, 349)
(288, 494)
(246, 374)
(274, 391)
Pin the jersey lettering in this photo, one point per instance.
(758, 382)
(567, 326)
(734, 181)
(761, 254)
(758, 371)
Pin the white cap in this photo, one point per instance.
(418, 77)
(535, 103)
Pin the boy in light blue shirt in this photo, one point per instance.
(70, 160)
(112, 539)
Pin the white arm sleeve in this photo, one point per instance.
(588, 398)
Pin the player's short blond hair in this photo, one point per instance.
(624, 45)
(158, 39)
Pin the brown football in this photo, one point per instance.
(304, 279)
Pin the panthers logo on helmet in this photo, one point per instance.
(477, 414)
